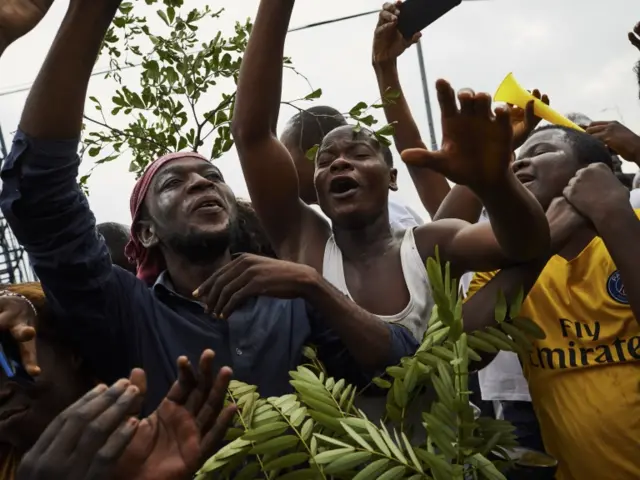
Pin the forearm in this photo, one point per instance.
(259, 89)
(479, 310)
(460, 203)
(432, 187)
(620, 232)
(367, 338)
(517, 219)
(55, 104)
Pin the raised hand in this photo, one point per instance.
(19, 17)
(388, 42)
(249, 276)
(185, 430)
(85, 441)
(596, 193)
(476, 145)
(523, 122)
(634, 36)
(617, 137)
(18, 318)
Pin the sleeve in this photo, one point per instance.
(50, 217)
(338, 361)
(479, 280)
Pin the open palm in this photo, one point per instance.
(185, 429)
(19, 17)
(476, 145)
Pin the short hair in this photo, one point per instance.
(386, 154)
(308, 127)
(116, 236)
(588, 149)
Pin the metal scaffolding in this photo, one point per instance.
(14, 263)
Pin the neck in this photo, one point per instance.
(366, 242)
(578, 242)
(187, 276)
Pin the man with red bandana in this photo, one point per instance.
(184, 220)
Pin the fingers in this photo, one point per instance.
(634, 37)
(214, 437)
(186, 382)
(503, 119)
(115, 411)
(105, 459)
(203, 289)
(92, 422)
(25, 338)
(235, 292)
(597, 127)
(419, 157)
(416, 37)
(466, 97)
(214, 401)
(446, 99)
(52, 432)
(483, 105)
(138, 378)
(199, 394)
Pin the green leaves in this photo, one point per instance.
(317, 432)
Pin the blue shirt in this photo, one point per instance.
(116, 323)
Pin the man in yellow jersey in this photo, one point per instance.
(584, 377)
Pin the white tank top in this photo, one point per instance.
(415, 316)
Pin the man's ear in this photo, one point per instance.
(146, 233)
(393, 179)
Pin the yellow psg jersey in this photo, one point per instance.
(584, 378)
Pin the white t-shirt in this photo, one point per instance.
(635, 198)
(401, 216)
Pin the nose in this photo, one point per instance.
(340, 165)
(520, 164)
(197, 183)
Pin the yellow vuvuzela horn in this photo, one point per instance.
(511, 92)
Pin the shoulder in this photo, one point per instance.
(437, 234)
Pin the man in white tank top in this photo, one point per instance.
(304, 131)
(383, 272)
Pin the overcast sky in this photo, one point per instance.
(575, 50)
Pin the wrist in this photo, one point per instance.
(502, 187)
(311, 284)
(385, 65)
(613, 220)
(28, 304)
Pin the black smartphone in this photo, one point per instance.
(10, 361)
(416, 15)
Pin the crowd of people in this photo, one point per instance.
(320, 255)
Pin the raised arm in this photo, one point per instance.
(19, 17)
(598, 195)
(479, 309)
(268, 168)
(388, 45)
(476, 152)
(42, 200)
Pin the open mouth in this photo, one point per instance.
(342, 187)
(525, 178)
(209, 205)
